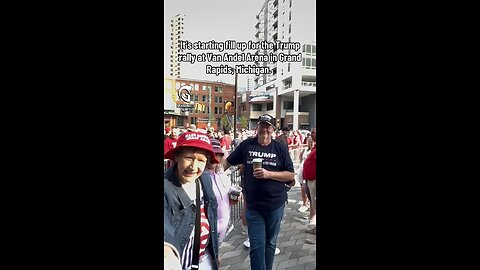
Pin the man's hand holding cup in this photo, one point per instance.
(258, 171)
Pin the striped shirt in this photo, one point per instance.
(187, 255)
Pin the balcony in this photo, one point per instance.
(314, 84)
(255, 114)
(275, 14)
(271, 112)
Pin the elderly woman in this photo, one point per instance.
(221, 187)
(190, 206)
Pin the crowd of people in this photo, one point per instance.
(291, 138)
(198, 193)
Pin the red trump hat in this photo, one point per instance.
(196, 140)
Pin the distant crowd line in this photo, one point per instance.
(291, 138)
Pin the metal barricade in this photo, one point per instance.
(235, 210)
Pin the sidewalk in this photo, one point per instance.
(295, 253)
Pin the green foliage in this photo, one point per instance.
(243, 122)
(225, 124)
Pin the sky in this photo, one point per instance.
(207, 20)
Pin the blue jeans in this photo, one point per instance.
(263, 229)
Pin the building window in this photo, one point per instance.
(244, 108)
(269, 106)
(257, 107)
(216, 110)
(288, 105)
(196, 87)
(216, 99)
(220, 109)
(180, 121)
(209, 87)
(195, 97)
(220, 100)
(314, 63)
(314, 49)
(204, 88)
(218, 89)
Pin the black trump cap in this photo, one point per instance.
(266, 118)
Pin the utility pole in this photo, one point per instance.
(235, 109)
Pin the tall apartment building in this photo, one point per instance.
(292, 85)
(176, 34)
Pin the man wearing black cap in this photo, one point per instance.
(264, 189)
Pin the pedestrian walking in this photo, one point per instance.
(222, 189)
(171, 141)
(283, 138)
(265, 190)
(226, 141)
(310, 176)
(303, 186)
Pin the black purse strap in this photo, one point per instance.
(196, 241)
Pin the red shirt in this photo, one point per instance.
(289, 141)
(168, 144)
(226, 141)
(310, 165)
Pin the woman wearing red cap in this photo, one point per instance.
(190, 206)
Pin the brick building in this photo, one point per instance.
(209, 99)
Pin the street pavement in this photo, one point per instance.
(295, 252)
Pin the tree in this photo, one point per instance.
(243, 122)
(224, 121)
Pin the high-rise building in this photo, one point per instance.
(249, 84)
(176, 35)
(292, 84)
